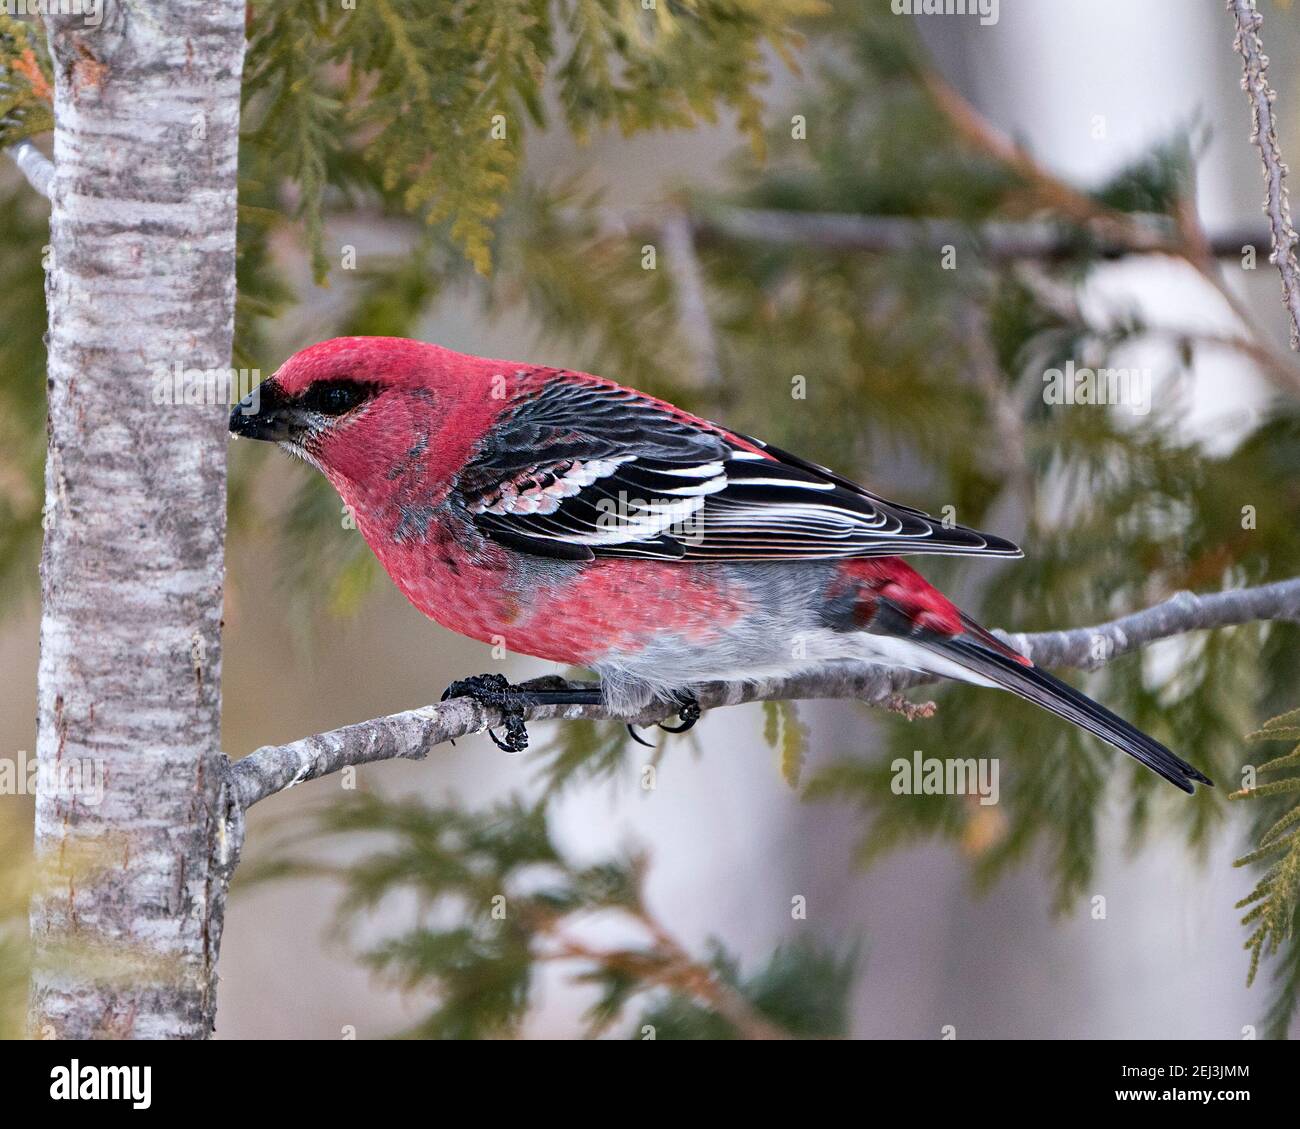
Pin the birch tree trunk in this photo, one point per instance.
(127, 917)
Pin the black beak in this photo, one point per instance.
(262, 414)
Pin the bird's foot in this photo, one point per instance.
(688, 713)
(494, 691)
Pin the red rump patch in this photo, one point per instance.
(888, 578)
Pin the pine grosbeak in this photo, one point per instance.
(579, 521)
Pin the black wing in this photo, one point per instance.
(584, 470)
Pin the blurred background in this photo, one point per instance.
(923, 369)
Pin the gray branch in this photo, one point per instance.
(412, 734)
(34, 165)
(693, 310)
(1002, 241)
(846, 232)
(1264, 134)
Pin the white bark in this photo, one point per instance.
(127, 919)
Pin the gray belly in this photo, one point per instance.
(785, 632)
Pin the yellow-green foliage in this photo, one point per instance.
(783, 731)
(1274, 904)
(24, 82)
(435, 99)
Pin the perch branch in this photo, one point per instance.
(412, 734)
(1264, 134)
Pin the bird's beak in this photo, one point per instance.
(265, 413)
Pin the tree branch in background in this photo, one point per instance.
(666, 964)
(499, 897)
(1264, 134)
(1122, 229)
(1044, 240)
(1048, 189)
(678, 234)
(411, 734)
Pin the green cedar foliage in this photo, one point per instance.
(432, 102)
(1273, 906)
(912, 374)
(496, 900)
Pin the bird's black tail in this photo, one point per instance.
(983, 654)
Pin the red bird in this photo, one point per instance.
(579, 521)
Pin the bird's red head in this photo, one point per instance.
(356, 407)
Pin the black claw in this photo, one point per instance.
(631, 732)
(495, 692)
(689, 713)
(516, 734)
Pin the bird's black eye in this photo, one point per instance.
(334, 397)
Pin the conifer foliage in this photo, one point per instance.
(420, 113)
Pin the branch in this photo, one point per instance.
(1264, 134)
(412, 734)
(1086, 648)
(678, 235)
(1001, 241)
(667, 964)
(35, 166)
(1020, 242)
(1109, 226)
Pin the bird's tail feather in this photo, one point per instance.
(997, 663)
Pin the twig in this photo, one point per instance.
(413, 733)
(670, 966)
(1062, 198)
(1086, 648)
(1278, 366)
(1187, 242)
(1264, 134)
(35, 166)
(998, 240)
